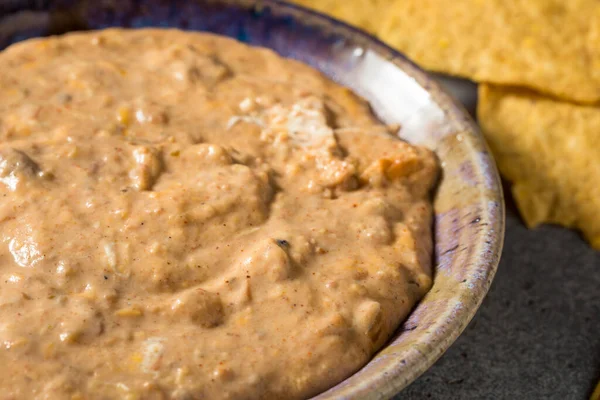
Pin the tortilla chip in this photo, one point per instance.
(596, 394)
(550, 150)
(364, 14)
(548, 45)
(552, 46)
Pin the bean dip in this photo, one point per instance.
(186, 217)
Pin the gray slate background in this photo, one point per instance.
(537, 334)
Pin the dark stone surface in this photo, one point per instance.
(537, 334)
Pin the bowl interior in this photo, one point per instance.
(469, 210)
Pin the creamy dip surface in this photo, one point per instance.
(187, 217)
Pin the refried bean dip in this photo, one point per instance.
(186, 217)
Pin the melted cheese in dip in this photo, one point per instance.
(187, 217)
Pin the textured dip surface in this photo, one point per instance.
(186, 217)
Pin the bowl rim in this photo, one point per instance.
(390, 381)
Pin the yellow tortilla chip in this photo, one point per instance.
(365, 14)
(552, 46)
(550, 150)
(596, 393)
(548, 45)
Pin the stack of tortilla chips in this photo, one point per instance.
(538, 65)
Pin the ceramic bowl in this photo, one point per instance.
(469, 209)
